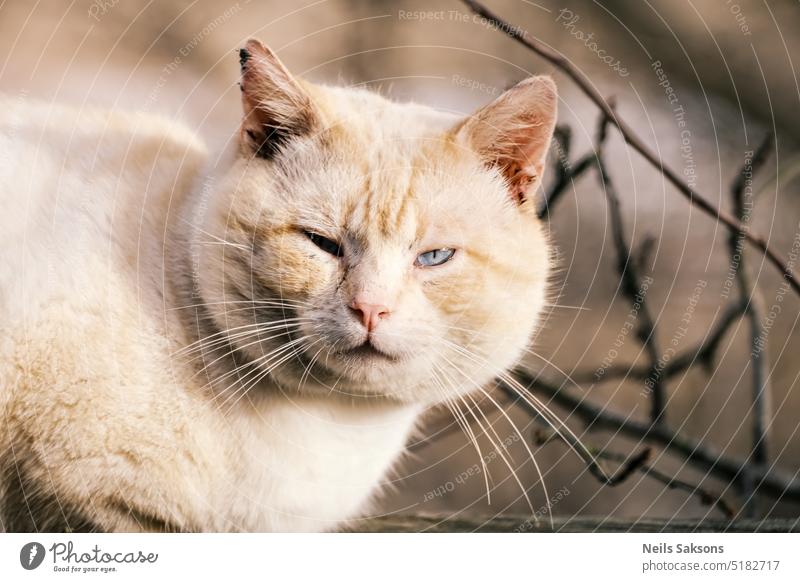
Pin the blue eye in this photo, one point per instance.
(435, 257)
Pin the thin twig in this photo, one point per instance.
(638, 463)
(632, 139)
(628, 464)
(704, 353)
(773, 483)
(751, 300)
(632, 284)
(566, 173)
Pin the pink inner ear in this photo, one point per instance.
(519, 181)
(521, 150)
(513, 133)
(520, 158)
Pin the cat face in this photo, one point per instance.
(375, 248)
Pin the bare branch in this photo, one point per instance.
(704, 353)
(638, 463)
(566, 173)
(633, 140)
(751, 301)
(596, 417)
(632, 285)
(629, 465)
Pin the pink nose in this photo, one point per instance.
(369, 313)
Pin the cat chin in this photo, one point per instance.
(364, 380)
(386, 380)
(408, 386)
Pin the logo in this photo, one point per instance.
(31, 555)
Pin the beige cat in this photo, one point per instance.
(251, 352)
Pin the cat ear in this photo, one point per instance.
(513, 133)
(276, 107)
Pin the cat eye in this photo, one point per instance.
(434, 257)
(325, 244)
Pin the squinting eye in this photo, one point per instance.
(325, 244)
(434, 258)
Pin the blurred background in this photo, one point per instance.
(726, 79)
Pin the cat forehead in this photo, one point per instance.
(372, 130)
(386, 170)
(401, 204)
(395, 183)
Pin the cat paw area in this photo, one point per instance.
(341, 268)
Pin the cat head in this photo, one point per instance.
(374, 248)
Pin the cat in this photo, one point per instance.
(249, 349)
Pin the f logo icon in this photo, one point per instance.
(31, 555)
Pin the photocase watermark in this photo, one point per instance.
(741, 21)
(561, 154)
(422, 15)
(543, 511)
(67, 559)
(465, 18)
(99, 8)
(747, 210)
(467, 474)
(169, 69)
(679, 114)
(627, 327)
(31, 555)
(198, 216)
(777, 304)
(474, 85)
(680, 333)
(568, 19)
(456, 16)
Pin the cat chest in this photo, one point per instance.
(306, 465)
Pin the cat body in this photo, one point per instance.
(252, 355)
(101, 424)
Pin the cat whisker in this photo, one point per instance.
(293, 353)
(573, 307)
(567, 435)
(236, 348)
(462, 422)
(254, 302)
(558, 425)
(223, 336)
(308, 368)
(514, 427)
(468, 429)
(229, 346)
(215, 237)
(253, 328)
(347, 367)
(224, 242)
(564, 432)
(256, 367)
(500, 448)
(330, 350)
(526, 350)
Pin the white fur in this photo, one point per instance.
(85, 366)
(102, 406)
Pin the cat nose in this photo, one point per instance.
(369, 313)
